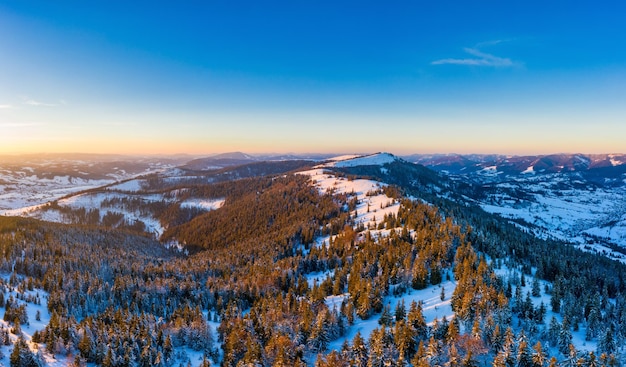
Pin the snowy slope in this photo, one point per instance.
(372, 204)
(369, 194)
(377, 159)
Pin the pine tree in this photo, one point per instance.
(497, 339)
(17, 328)
(359, 351)
(469, 360)
(400, 311)
(85, 347)
(500, 359)
(453, 356)
(540, 313)
(476, 330)
(540, 357)
(419, 359)
(565, 338)
(168, 349)
(593, 323)
(508, 349)
(536, 288)
(554, 330)
(417, 321)
(420, 275)
(385, 318)
(527, 307)
(377, 348)
(453, 331)
(607, 344)
(205, 362)
(433, 351)
(404, 339)
(364, 306)
(21, 355)
(108, 360)
(518, 302)
(319, 334)
(572, 357)
(524, 356)
(555, 302)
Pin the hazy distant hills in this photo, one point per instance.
(231, 159)
(219, 161)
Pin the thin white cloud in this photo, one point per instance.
(5, 106)
(480, 58)
(488, 43)
(32, 102)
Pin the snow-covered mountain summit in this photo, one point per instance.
(376, 159)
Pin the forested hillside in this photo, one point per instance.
(308, 269)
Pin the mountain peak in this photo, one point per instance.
(376, 159)
(232, 155)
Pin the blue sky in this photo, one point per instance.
(297, 76)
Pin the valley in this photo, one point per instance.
(575, 198)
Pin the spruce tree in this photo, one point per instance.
(540, 357)
(385, 318)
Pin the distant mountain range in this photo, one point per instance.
(231, 159)
(604, 165)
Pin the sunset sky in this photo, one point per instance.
(201, 77)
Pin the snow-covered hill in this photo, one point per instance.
(377, 159)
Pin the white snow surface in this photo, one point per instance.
(377, 159)
(129, 186)
(368, 195)
(206, 204)
(344, 157)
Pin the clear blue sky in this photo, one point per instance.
(514, 77)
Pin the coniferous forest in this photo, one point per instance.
(284, 274)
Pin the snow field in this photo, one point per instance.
(130, 186)
(368, 196)
(206, 204)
